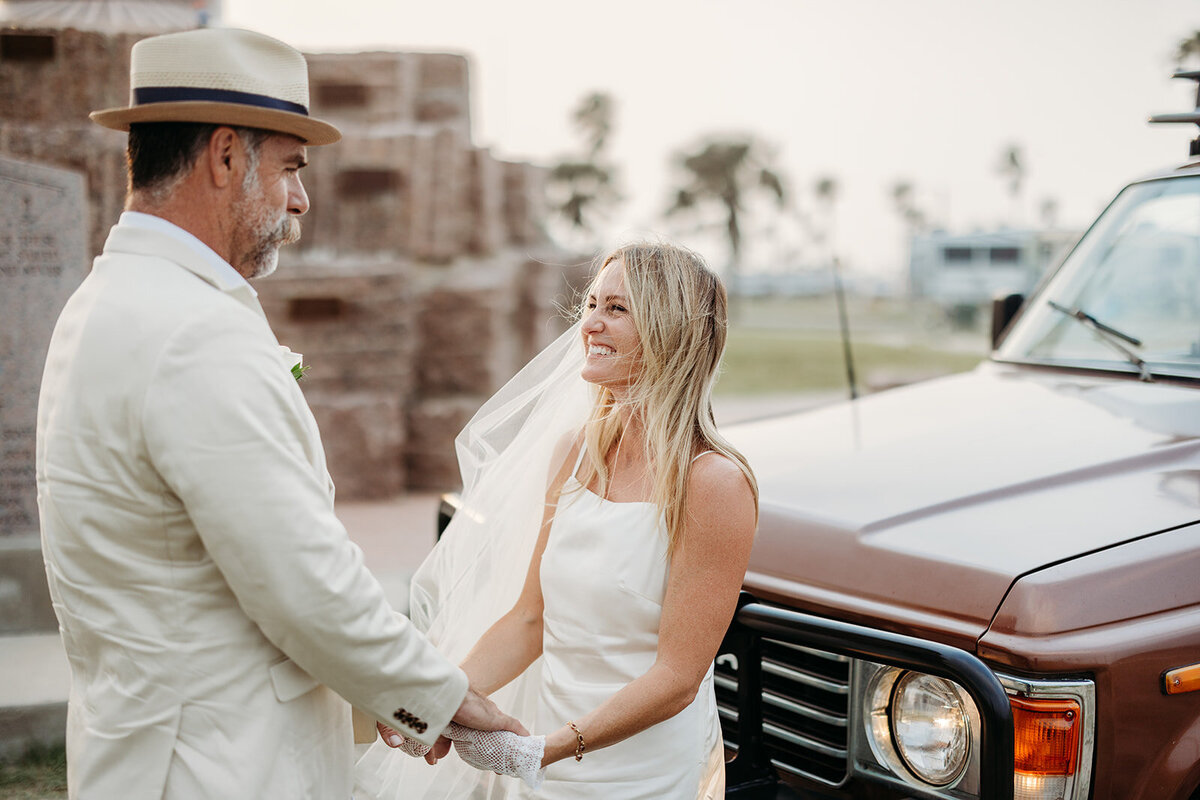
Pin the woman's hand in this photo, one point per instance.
(501, 752)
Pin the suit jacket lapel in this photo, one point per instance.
(143, 242)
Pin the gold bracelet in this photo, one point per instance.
(579, 748)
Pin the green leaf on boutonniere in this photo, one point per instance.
(298, 371)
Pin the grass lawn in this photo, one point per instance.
(783, 345)
(40, 775)
(770, 361)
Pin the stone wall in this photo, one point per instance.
(405, 178)
(396, 92)
(401, 354)
(50, 80)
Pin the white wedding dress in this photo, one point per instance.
(604, 574)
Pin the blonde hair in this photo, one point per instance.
(680, 310)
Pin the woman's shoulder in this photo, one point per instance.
(716, 477)
(568, 446)
(720, 501)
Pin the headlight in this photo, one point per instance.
(930, 727)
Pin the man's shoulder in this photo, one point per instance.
(161, 286)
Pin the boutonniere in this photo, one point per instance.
(295, 362)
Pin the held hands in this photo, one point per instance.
(407, 746)
(480, 713)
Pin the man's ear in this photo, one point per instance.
(226, 158)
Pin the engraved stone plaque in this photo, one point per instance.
(43, 230)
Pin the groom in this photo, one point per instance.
(213, 610)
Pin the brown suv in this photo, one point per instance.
(988, 585)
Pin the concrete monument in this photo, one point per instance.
(43, 257)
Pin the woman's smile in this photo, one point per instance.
(609, 334)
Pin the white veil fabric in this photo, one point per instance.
(506, 454)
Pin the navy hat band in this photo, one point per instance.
(181, 94)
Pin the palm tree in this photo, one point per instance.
(593, 117)
(581, 188)
(723, 172)
(914, 219)
(1187, 48)
(826, 192)
(1012, 167)
(903, 194)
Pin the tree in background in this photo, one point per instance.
(1187, 48)
(581, 189)
(1012, 169)
(904, 200)
(914, 219)
(825, 190)
(723, 173)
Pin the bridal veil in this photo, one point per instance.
(475, 573)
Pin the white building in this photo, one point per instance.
(971, 269)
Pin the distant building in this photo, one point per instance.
(957, 270)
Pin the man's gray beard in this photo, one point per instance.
(265, 257)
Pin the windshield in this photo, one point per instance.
(1137, 272)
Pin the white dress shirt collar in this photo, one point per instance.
(229, 277)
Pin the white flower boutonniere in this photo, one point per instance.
(295, 362)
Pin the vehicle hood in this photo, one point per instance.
(917, 508)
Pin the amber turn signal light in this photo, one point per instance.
(1045, 735)
(1182, 679)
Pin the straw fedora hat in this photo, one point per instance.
(219, 75)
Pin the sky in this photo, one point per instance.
(868, 92)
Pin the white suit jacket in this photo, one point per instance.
(206, 593)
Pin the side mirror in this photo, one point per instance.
(1004, 310)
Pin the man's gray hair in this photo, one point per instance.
(160, 154)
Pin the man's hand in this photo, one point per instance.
(481, 714)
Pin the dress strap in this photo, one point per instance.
(706, 452)
(579, 461)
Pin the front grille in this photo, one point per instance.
(805, 709)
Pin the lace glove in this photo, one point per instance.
(502, 752)
(408, 746)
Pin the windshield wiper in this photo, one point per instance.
(1109, 335)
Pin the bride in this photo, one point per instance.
(590, 575)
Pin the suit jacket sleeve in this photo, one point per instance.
(229, 431)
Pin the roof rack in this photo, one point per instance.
(1186, 116)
